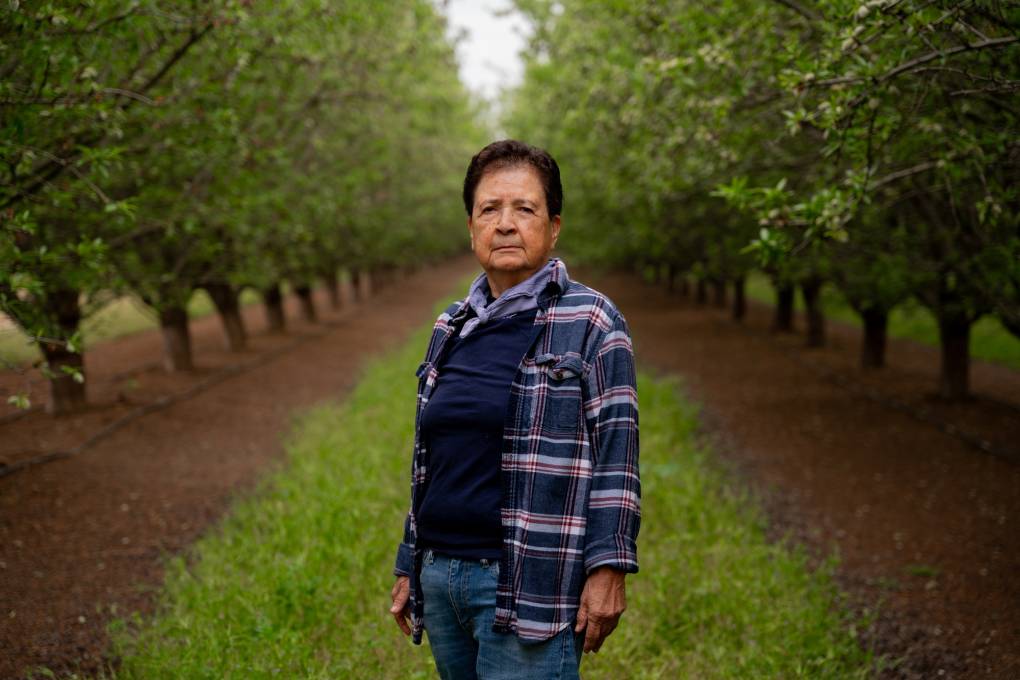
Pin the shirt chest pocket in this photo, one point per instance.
(559, 392)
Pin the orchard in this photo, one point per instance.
(808, 212)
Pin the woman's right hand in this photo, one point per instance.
(400, 595)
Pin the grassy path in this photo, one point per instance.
(295, 582)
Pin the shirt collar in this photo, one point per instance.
(552, 272)
(535, 291)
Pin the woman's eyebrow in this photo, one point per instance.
(515, 202)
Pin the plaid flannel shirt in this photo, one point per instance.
(569, 466)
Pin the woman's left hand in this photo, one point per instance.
(400, 595)
(602, 602)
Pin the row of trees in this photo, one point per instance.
(155, 147)
(871, 145)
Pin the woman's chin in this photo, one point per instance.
(508, 260)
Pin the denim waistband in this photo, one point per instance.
(430, 556)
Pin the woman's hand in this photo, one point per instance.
(602, 602)
(400, 595)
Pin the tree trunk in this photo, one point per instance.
(701, 292)
(873, 341)
(719, 292)
(782, 321)
(173, 324)
(811, 289)
(363, 283)
(67, 395)
(391, 276)
(739, 299)
(954, 336)
(225, 297)
(332, 282)
(670, 278)
(1009, 317)
(348, 295)
(356, 284)
(272, 300)
(304, 294)
(685, 286)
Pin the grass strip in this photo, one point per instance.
(295, 582)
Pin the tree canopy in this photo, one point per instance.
(871, 144)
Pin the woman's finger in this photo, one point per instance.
(401, 619)
(400, 594)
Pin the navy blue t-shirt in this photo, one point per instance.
(463, 427)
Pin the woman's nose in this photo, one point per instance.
(506, 221)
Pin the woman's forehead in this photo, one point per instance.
(517, 181)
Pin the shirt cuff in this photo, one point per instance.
(405, 560)
(617, 551)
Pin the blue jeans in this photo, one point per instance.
(460, 606)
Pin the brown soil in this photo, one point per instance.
(82, 540)
(871, 467)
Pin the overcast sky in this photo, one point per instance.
(489, 50)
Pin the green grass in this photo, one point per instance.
(988, 339)
(295, 582)
(122, 316)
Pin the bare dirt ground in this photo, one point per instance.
(924, 522)
(82, 539)
(871, 467)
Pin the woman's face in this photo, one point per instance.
(511, 231)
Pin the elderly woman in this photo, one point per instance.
(525, 496)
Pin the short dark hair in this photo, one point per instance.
(508, 153)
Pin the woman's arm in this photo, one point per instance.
(611, 414)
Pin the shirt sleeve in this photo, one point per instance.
(611, 415)
(405, 551)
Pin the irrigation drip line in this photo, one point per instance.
(131, 372)
(870, 393)
(166, 401)
(17, 415)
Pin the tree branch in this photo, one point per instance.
(932, 56)
(919, 61)
(177, 56)
(800, 9)
(56, 165)
(900, 174)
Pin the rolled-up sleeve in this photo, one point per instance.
(611, 415)
(405, 552)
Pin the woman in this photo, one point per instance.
(525, 495)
